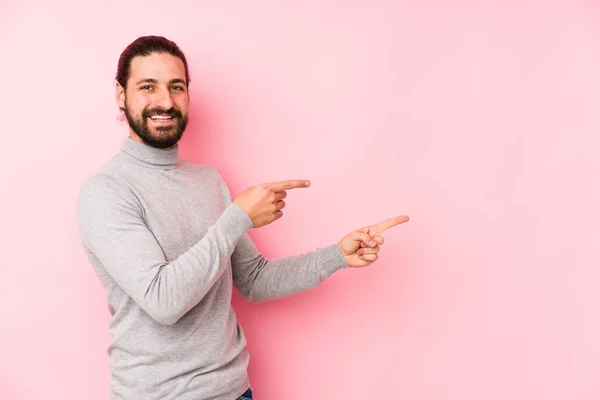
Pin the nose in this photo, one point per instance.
(163, 98)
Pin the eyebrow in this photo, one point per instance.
(151, 80)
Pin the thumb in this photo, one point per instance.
(364, 238)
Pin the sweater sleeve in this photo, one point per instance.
(260, 279)
(113, 230)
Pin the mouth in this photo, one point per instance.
(161, 119)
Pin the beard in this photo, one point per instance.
(160, 137)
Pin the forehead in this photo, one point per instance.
(159, 66)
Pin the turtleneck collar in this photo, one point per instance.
(151, 157)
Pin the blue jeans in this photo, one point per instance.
(246, 396)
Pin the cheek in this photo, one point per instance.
(137, 104)
(142, 102)
(182, 104)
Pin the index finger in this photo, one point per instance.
(288, 184)
(387, 224)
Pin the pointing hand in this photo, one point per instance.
(263, 203)
(360, 247)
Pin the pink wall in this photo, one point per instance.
(480, 121)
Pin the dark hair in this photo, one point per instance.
(144, 46)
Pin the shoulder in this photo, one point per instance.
(198, 168)
(102, 181)
(209, 177)
(204, 171)
(105, 192)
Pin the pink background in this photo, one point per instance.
(478, 120)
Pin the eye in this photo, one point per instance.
(146, 87)
(177, 88)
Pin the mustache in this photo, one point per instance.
(171, 112)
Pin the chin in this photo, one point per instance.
(165, 141)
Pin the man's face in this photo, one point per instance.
(156, 99)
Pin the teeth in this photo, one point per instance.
(155, 117)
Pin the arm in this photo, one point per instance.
(112, 228)
(259, 279)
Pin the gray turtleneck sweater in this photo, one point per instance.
(168, 244)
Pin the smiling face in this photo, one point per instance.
(155, 100)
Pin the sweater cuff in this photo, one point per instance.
(330, 260)
(235, 221)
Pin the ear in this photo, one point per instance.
(120, 96)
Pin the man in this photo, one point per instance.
(168, 244)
